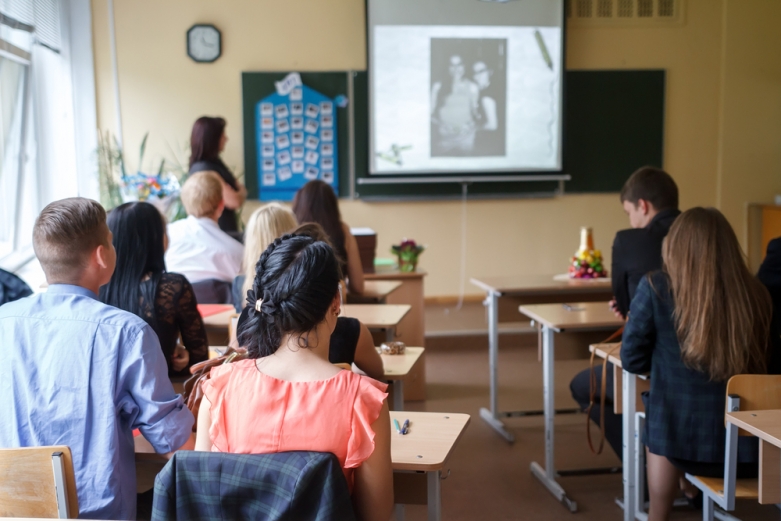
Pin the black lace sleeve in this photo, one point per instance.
(177, 312)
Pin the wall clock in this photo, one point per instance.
(204, 43)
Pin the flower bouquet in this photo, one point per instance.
(587, 262)
(407, 253)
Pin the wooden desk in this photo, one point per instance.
(426, 448)
(557, 318)
(374, 292)
(384, 318)
(217, 326)
(630, 386)
(398, 368)
(504, 295)
(765, 425)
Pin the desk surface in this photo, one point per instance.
(575, 316)
(527, 285)
(430, 441)
(394, 274)
(765, 425)
(603, 350)
(397, 367)
(219, 320)
(378, 289)
(376, 316)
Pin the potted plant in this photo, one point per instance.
(407, 253)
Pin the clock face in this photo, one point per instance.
(204, 43)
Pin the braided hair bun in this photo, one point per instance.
(296, 280)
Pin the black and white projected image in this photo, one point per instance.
(468, 97)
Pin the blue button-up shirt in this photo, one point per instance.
(83, 374)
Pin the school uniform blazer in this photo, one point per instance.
(684, 409)
(638, 251)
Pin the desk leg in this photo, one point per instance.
(434, 495)
(548, 474)
(491, 417)
(390, 334)
(399, 512)
(628, 410)
(398, 395)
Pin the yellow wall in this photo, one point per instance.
(722, 139)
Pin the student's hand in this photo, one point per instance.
(180, 359)
(614, 308)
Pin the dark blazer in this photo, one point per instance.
(287, 486)
(638, 251)
(770, 275)
(684, 409)
(227, 220)
(12, 288)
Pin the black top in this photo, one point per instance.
(175, 313)
(638, 251)
(770, 275)
(227, 220)
(344, 339)
(12, 288)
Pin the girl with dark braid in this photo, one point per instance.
(287, 396)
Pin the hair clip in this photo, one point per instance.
(258, 303)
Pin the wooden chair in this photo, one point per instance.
(38, 482)
(345, 366)
(744, 393)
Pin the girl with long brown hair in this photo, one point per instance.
(693, 325)
(316, 202)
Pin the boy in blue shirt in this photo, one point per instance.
(81, 373)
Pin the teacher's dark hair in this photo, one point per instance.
(139, 238)
(316, 202)
(296, 279)
(205, 139)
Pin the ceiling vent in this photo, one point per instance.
(624, 11)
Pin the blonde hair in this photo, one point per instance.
(722, 312)
(202, 194)
(264, 225)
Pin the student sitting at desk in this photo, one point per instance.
(351, 341)
(316, 202)
(81, 373)
(142, 286)
(693, 325)
(198, 249)
(287, 395)
(650, 199)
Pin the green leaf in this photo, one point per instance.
(141, 152)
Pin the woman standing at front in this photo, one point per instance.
(701, 320)
(207, 142)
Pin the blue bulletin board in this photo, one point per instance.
(296, 138)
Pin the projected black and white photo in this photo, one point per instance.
(465, 99)
(468, 93)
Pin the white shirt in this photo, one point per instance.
(199, 250)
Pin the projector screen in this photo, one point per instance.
(465, 86)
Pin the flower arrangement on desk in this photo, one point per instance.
(407, 252)
(587, 262)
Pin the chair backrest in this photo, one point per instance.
(757, 392)
(345, 366)
(38, 482)
(212, 291)
(268, 487)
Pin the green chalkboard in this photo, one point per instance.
(613, 124)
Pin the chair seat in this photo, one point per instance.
(744, 488)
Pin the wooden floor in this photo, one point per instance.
(490, 480)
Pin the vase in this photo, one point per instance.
(408, 265)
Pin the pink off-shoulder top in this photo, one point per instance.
(254, 413)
